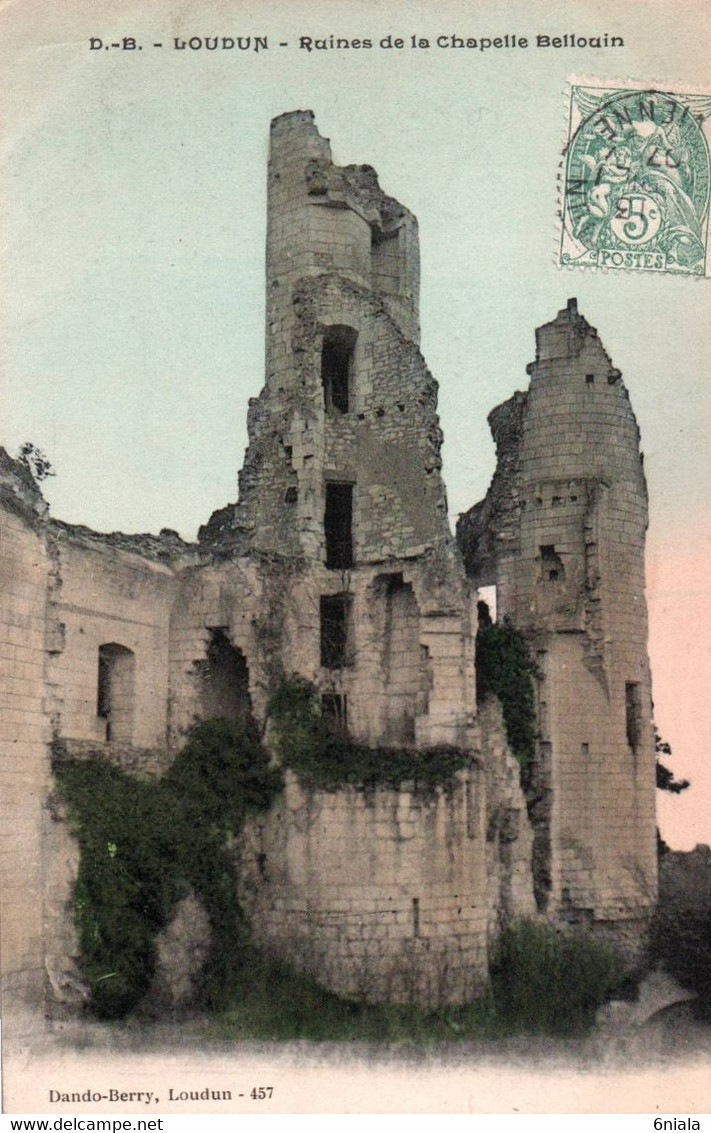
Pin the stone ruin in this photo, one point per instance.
(337, 563)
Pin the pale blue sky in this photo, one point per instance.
(133, 237)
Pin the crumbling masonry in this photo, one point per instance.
(337, 564)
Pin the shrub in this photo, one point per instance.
(143, 845)
(550, 982)
(126, 884)
(222, 773)
(324, 757)
(504, 667)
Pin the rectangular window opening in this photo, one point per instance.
(633, 714)
(336, 631)
(590, 379)
(115, 691)
(552, 569)
(338, 524)
(337, 367)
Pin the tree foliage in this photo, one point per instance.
(505, 668)
(680, 936)
(665, 777)
(37, 464)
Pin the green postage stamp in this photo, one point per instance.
(636, 178)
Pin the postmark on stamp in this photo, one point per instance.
(636, 179)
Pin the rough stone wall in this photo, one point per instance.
(394, 896)
(65, 591)
(102, 594)
(344, 871)
(24, 736)
(562, 535)
(379, 896)
(339, 253)
(509, 836)
(270, 613)
(246, 600)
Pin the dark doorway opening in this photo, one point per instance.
(115, 690)
(224, 681)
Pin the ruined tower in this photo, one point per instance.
(342, 473)
(337, 565)
(561, 535)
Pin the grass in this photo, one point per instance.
(543, 982)
(281, 1005)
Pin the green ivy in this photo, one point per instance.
(504, 667)
(324, 757)
(143, 845)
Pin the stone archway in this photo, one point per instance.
(224, 681)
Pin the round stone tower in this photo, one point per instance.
(561, 535)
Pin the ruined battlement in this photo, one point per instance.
(326, 219)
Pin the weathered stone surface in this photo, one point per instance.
(561, 536)
(379, 896)
(114, 645)
(509, 834)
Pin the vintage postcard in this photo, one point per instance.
(353, 553)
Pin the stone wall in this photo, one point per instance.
(342, 273)
(509, 834)
(24, 737)
(394, 895)
(379, 896)
(105, 597)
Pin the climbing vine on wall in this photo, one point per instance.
(505, 668)
(144, 845)
(324, 757)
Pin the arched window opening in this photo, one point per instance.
(115, 691)
(486, 604)
(224, 679)
(337, 368)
